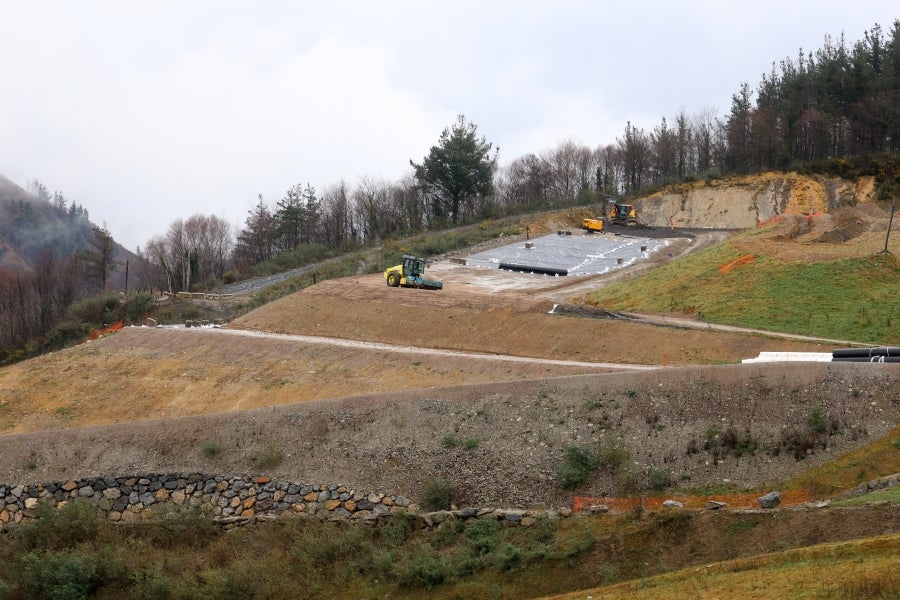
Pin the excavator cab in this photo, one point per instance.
(623, 214)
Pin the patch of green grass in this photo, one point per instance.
(211, 448)
(876, 459)
(885, 495)
(741, 526)
(269, 457)
(65, 411)
(852, 299)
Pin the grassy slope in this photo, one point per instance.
(852, 299)
(823, 571)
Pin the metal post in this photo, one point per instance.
(888, 235)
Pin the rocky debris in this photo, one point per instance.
(715, 505)
(672, 504)
(770, 500)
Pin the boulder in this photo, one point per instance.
(715, 505)
(770, 500)
(672, 504)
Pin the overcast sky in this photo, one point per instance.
(145, 112)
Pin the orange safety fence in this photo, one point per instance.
(780, 218)
(97, 333)
(584, 503)
(771, 221)
(744, 260)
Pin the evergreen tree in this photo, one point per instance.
(458, 171)
(98, 257)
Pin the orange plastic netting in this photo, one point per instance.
(96, 333)
(743, 260)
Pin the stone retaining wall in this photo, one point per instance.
(881, 483)
(231, 499)
(236, 499)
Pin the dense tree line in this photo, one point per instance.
(841, 100)
(32, 302)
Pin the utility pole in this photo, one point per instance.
(888, 235)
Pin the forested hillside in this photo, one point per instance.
(51, 255)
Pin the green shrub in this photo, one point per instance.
(472, 443)
(151, 583)
(97, 310)
(137, 306)
(612, 453)
(451, 440)
(739, 443)
(482, 535)
(59, 576)
(61, 529)
(269, 457)
(399, 529)
(175, 527)
(628, 480)
(659, 479)
(438, 494)
(427, 571)
(578, 463)
(211, 448)
(507, 557)
(66, 333)
(817, 420)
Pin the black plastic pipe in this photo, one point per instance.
(532, 269)
(865, 352)
(863, 359)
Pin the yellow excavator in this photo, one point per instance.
(409, 274)
(623, 214)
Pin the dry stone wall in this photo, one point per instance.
(123, 498)
(232, 499)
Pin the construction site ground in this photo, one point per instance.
(362, 384)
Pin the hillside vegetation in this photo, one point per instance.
(749, 282)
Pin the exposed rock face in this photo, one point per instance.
(739, 204)
(770, 500)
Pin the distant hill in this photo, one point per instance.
(31, 225)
